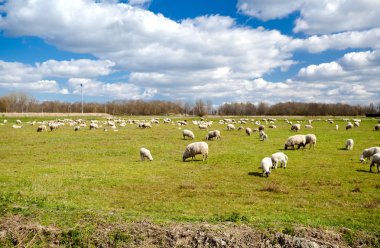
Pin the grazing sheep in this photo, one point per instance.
(336, 127)
(261, 128)
(41, 128)
(213, 134)
(145, 153)
(263, 135)
(145, 125)
(349, 144)
(266, 165)
(272, 126)
(18, 122)
(279, 157)
(311, 139)
(295, 127)
(299, 140)
(203, 126)
(356, 124)
(188, 133)
(16, 126)
(377, 127)
(196, 148)
(349, 126)
(375, 160)
(93, 126)
(248, 131)
(76, 128)
(240, 128)
(230, 127)
(369, 152)
(308, 126)
(5, 121)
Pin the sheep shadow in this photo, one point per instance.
(342, 149)
(256, 174)
(364, 171)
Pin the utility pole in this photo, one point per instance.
(81, 92)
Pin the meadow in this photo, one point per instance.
(64, 177)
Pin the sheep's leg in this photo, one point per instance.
(370, 167)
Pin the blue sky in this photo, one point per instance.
(218, 50)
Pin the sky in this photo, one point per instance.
(182, 50)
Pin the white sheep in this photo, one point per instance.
(203, 126)
(308, 126)
(279, 157)
(18, 122)
(349, 144)
(299, 140)
(188, 133)
(356, 124)
(266, 165)
(93, 126)
(230, 127)
(349, 126)
(375, 160)
(16, 126)
(377, 127)
(295, 127)
(76, 128)
(196, 148)
(336, 127)
(369, 152)
(248, 131)
(261, 128)
(311, 139)
(263, 135)
(213, 134)
(145, 153)
(272, 126)
(41, 128)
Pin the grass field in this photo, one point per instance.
(65, 177)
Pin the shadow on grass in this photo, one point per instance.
(365, 171)
(342, 149)
(256, 174)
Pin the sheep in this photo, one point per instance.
(248, 131)
(188, 133)
(308, 126)
(203, 126)
(349, 126)
(93, 126)
(272, 126)
(356, 124)
(16, 126)
(230, 127)
(76, 128)
(240, 128)
(261, 128)
(311, 139)
(375, 160)
(369, 152)
(196, 148)
(41, 128)
(145, 125)
(279, 157)
(18, 122)
(299, 140)
(336, 127)
(145, 153)
(295, 127)
(377, 127)
(213, 134)
(349, 144)
(266, 165)
(263, 136)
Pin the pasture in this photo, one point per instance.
(63, 177)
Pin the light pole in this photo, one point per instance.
(81, 92)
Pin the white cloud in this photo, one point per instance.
(318, 17)
(108, 90)
(75, 68)
(140, 3)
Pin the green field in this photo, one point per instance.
(65, 177)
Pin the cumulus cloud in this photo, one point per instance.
(75, 68)
(318, 17)
(110, 90)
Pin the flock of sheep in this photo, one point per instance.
(201, 147)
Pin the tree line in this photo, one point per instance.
(23, 103)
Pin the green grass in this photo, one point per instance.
(65, 177)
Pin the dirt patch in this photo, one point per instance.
(23, 232)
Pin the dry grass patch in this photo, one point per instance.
(275, 188)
